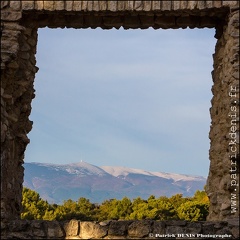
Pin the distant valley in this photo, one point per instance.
(56, 183)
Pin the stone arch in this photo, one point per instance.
(20, 21)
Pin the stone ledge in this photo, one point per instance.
(114, 6)
(140, 229)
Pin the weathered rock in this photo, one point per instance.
(54, 230)
(39, 229)
(118, 228)
(72, 228)
(194, 227)
(159, 227)
(92, 230)
(140, 229)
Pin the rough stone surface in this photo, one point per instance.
(92, 230)
(224, 132)
(75, 229)
(72, 228)
(139, 229)
(19, 23)
(118, 228)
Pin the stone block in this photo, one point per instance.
(192, 5)
(147, 5)
(209, 4)
(200, 5)
(217, 4)
(138, 5)
(18, 235)
(24, 55)
(84, 6)
(95, 6)
(118, 228)
(10, 16)
(15, 5)
(69, 5)
(112, 6)
(59, 5)
(230, 3)
(19, 225)
(92, 230)
(27, 5)
(208, 228)
(54, 230)
(38, 224)
(39, 233)
(220, 225)
(175, 229)
(90, 5)
(156, 5)
(13, 26)
(129, 6)
(159, 227)
(121, 5)
(183, 4)
(233, 222)
(77, 5)
(176, 5)
(48, 5)
(39, 5)
(166, 5)
(25, 47)
(223, 231)
(139, 229)
(4, 4)
(235, 232)
(72, 228)
(194, 227)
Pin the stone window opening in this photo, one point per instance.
(20, 21)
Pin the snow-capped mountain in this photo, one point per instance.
(124, 171)
(56, 183)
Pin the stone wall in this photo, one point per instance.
(74, 229)
(223, 179)
(20, 21)
(18, 48)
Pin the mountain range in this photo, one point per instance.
(56, 183)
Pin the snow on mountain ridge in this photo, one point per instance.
(84, 168)
(124, 171)
(80, 168)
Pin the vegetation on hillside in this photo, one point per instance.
(163, 208)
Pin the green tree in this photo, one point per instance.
(162, 208)
(193, 211)
(115, 209)
(33, 207)
(166, 209)
(142, 209)
(201, 197)
(177, 199)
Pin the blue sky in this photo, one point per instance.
(133, 98)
